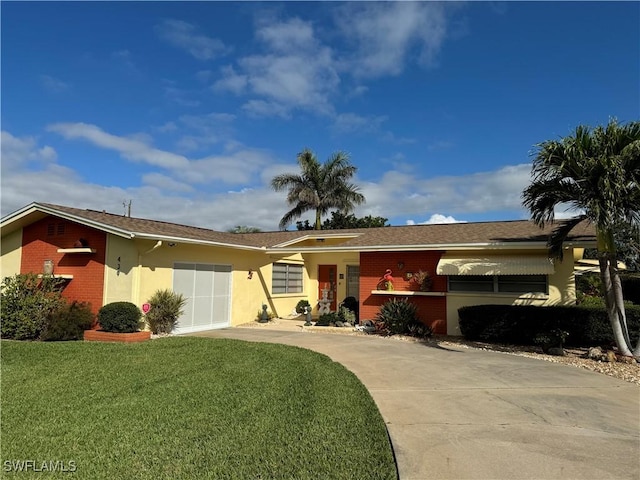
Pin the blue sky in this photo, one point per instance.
(189, 109)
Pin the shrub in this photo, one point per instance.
(270, 315)
(398, 316)
(327, 319)
(25, 303)
(68, 323)
(584, 326)
(166, 309)
(301, 306)
(346, 315)
(119, 317)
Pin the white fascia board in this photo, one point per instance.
(191, 241)
(401, 248)
(315, 237)
(36, 207)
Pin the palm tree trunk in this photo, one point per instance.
(613, 302)
(318, 220)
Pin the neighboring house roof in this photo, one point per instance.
(480, 235)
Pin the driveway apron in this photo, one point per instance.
(455, 413)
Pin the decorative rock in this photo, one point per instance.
(611, 356)
(625, 359)
(339, 324)
(595, 353)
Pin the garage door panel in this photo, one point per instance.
(207, 289)
(220, 312)
(203, 281)
(186, 319)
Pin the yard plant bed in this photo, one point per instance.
(188, 408)
(101, 336)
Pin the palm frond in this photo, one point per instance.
(560, 234)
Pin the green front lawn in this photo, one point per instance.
(188, 408)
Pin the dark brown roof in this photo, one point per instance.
(425, 236)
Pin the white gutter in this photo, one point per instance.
(404, 248)
(166, 238)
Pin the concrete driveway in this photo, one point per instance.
(455, 413)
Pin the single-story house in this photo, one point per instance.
(227, 277)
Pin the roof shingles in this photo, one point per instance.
(501, 232)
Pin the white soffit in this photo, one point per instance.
(495, 265)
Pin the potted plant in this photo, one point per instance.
(421, 281)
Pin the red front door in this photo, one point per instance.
(327, 280)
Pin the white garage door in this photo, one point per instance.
(207, 289)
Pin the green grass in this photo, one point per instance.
(188, 408)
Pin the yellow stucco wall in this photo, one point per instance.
(341, 261)
(145, 269)
(155, 271)
(562, 291)
(121, 260)
(11, 254)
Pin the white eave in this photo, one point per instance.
(515, 245)
(192, 241)
(316, 236)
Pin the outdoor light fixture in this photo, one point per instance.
(400, 265)
(48, 267)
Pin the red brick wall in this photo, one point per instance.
(42, 239)
(432, 310)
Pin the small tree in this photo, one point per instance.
(597, 172)
(166, 309)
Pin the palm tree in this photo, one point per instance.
(596, 172)
(319, 187)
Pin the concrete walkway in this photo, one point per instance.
(455, 413)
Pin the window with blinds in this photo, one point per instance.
(499, 283)
(286, 278)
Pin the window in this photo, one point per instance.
(286, 278)
(499, 283)
(522, 284)
(471, 283)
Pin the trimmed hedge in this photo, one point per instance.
(120, 317)
(520, 325)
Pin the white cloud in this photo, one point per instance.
(384, 33)
(205, 130)
(19, 151)
(165, 183)
(345, 123)
(231, 81)
(295, 71)
(498, 190)
(174, 194)
(261, 108)
(129, 148)
(437, 218)
(186, 36)
(54, 85)
(238, 164)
